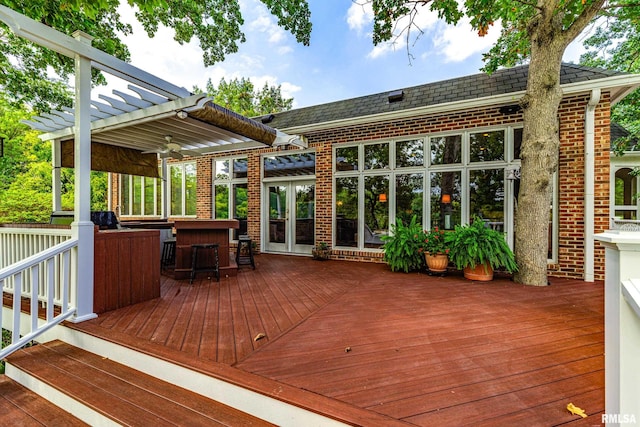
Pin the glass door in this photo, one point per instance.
(290, 217)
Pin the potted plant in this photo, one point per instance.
(321, 251)
(436, 250)
(403, 246)
(478, 250)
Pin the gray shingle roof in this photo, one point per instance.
(459, 89)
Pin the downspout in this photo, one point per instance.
(589, 184)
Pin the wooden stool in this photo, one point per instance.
(244, 241)
(168, 253)
(207, 268)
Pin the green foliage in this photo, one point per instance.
(323, 246)
(25, 173)
(215, 23)
(240, 96)
(616, 46)
(518, 21)
(435, 241)
(476, 243)
(403, 247)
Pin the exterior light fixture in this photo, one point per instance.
(182, 114)
(446, 199)
(382, 198)
(513, 174)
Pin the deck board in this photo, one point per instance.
(22, 407)
(418, 349)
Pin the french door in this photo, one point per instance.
(289, 216)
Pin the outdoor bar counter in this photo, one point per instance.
(198, 231)
(126, 268)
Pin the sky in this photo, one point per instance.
(341, 61)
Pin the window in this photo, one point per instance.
(410, 197)
(297, 164)
(446, 199)
(230, 192)
(346, 211)
(626, 194)
(140, 196)
(182, 189)
(443, 180)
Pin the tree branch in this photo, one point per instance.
(581, 22)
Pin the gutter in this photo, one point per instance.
(589, 184)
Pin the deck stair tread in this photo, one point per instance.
(20, 406)
(120, 393)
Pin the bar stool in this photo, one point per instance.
(168, 253)
(244, 241)
(207, 268)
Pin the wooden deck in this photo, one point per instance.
(356, 339)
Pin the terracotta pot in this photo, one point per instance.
(437, 263)
(481, 272)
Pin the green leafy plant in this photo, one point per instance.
(403, 247)
(435, 241)
(321, 251)
(474, 244)
(322, 246)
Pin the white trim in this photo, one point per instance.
(589, 185)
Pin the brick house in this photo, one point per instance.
(443, 151)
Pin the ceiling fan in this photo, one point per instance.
(173, 149)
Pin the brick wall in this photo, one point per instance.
(570, 261)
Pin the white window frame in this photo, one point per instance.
(630, 160)
(157, 208)
(464, 167)
(184, 188)
(230, 182)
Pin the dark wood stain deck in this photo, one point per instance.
(372, 347)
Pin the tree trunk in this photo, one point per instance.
(539, 155)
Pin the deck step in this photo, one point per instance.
(111, 393)
(20, 406)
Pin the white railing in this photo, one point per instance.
(18, 243)
(43, 279)
(622, 326)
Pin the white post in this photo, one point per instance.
(82, 227)
(165, 187)
(622, 328)
(56, 176)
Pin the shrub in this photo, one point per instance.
(476, 243)
(403, 247)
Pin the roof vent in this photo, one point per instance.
(396, 96)
(267, 119)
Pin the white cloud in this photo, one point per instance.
(359, 16)
(459, 42)
(265, 24)
(423, 21)
(381, 50)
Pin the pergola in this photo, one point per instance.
(127, 135)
